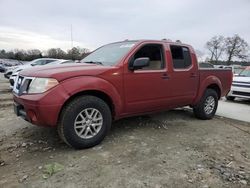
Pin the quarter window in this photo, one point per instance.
(181, 57)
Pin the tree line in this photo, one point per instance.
(76, 53)
(221, 49)
(229, 48)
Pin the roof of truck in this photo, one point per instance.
(178, 42)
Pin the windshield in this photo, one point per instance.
(36, 62)
(238, 70)
(41, 61)
(109, 54)
(245, 72)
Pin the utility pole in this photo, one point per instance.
(71, 36)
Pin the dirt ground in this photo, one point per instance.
(168, 149)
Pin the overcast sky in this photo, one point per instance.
(45, 24)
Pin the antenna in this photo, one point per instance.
(71, 34)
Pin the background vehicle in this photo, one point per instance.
(36, 62)
(53, 62)
(241, 85)
(117, 80)
(2, 68)
(236, 69)
(61, 61)
(206, 65)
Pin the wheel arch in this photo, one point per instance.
(100, 94)
(216, 88)
(211, 82)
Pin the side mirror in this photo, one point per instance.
(140, 63)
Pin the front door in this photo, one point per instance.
(146, 89)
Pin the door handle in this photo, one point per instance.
(193, 75)
(165, 76)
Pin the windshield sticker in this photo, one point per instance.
(127, 46)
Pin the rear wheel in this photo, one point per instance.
(84, 122)
(207, 106)
(230, 98)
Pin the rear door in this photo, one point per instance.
(184, 75)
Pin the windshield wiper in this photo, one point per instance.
(93, 62)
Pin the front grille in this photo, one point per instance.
(241, 84)
(238, 85)
(21, 84)
(241, 93)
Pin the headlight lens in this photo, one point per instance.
(40, 85)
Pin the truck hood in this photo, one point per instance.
(65, 71)
(241, 79)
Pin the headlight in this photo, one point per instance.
(40, 85)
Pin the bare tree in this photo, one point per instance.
(33, 54)
(199, 55)
(236, 47)
(216, 47)
(77, 53)
(56, 53)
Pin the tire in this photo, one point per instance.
(200, 110)
(84, 131)
(230, 98)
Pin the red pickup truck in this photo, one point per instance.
(117, 80)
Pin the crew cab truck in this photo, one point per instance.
(117, 80)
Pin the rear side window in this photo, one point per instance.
(181, 57)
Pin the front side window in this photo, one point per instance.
(109, 54)
(181, 57)
(155, 55)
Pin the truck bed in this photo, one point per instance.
(221, 75)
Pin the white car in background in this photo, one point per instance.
(240, 86)
(236, 69)
(45, 61)
(36, 62)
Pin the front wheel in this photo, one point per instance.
(207, 106)
(84, 122)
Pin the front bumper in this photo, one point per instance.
(19, 110)
(41, 109)
(241, 92)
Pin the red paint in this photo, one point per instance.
(131, 92)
